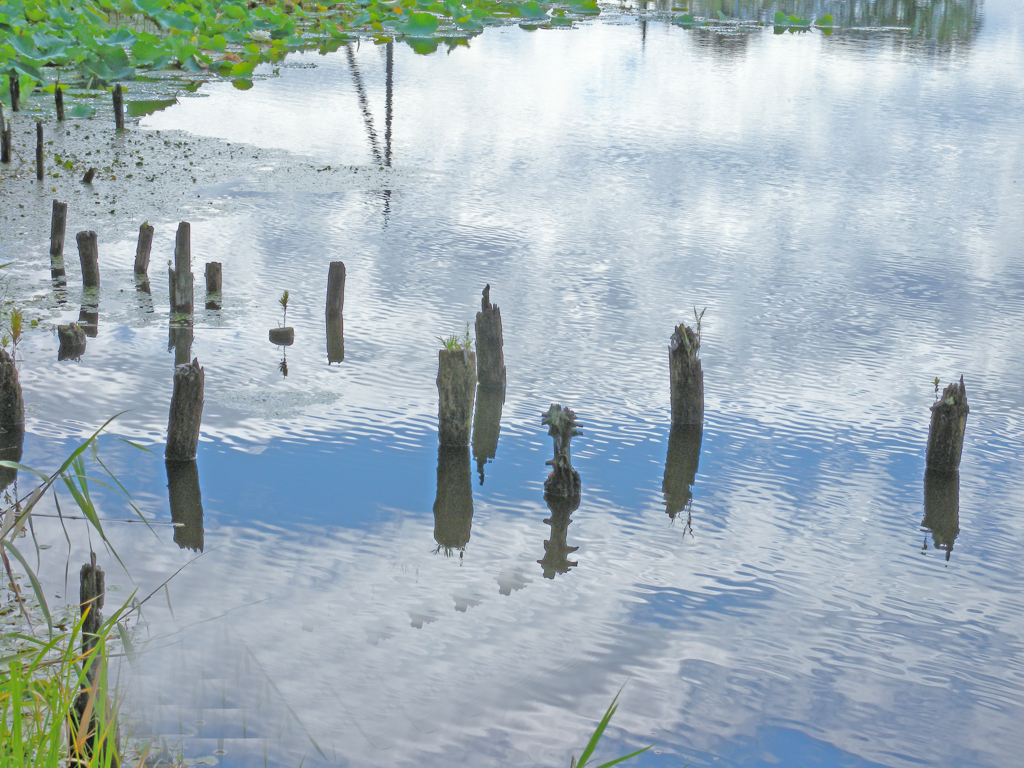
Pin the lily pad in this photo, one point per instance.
(81, 110)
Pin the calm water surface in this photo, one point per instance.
(849, 210)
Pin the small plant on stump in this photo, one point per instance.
(454, 344)
(283, 301)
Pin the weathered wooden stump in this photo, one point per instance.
(453, 505)
(486, 426)
(942, 508)
(58, 228)
(12, 404)
(12, 438)
(489, 343)
(14, 88)
(39, 150)
(214, 275)
(556, 548)
(143, 248)
(283, 337)
(89, 320)
(89, 176)
(186, 413)
(946, 433)
(5, 139)
(335, 340)
(456, 389)
(681, 467)
(336, 290)
(186, 504)
(180, 277)
(58, 101)
(686, 377)
(564, 481)
(179, 339)
(88, 255)
(72, 341)
(91, 706)
(118, 98)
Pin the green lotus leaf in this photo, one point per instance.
(81, 110)
(419, 25)
(532, 10)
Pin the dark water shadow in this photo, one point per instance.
(186, 504)
(453, 505)
(486, 426)
(12, 438)
(942, 509)
(684, 443)
(556, 548)
(335, 340)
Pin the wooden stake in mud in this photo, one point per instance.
(14, 86)
(58, 228)
(686, 376)
(143, 248)
(91, 593)
(456, 389)
(186, 413)
(336, 290)
(213, 277)
(58, 100)
(946, 433)
(5, 141)
(39, 150)
(88, 255)
(119, 107)
(564, 481)
(181, 274)
(12, 404)
(72, 341)
(489, 343)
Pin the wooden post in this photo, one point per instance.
(119, 107)
(14, 86)
(39, 150)
(89, 320)
(946, 433)
(336, 290)
(12, 404)
(5, 142)
(564, 481)
(453, 505)
(181, 274)
(72, 341)
(89, 175)
(686, 377)
(58, 228)
(283, 337)
(456, 389)
(91, 593)
(58, 100)
(942, 508)
(143, 248)
(335, 340)
(681, 467)
(179, 338)
(88, 255)
(186, 413)
(486, 426)
(213, 277)
(186, 504)
(556, 549)
(489, 343)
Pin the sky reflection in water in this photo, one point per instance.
(849, 212)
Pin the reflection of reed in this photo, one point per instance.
(453, 506)
(942, 508)
(335, 340)
(556, 549)
(681, 467)
(12, 438)
(486, 426)
(186, 504)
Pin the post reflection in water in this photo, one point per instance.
(12, 438)
(453, 506)
(186, 504)
(486, 426)
(942, 509)
(335, 340)
(681, 468)
(89, 319)
(556, 549)
(179, 340)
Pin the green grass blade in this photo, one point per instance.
(618, 760)
(36, 586)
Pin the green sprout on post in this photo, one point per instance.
(454, 344)
(283, 301)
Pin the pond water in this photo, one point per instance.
(848, 209)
